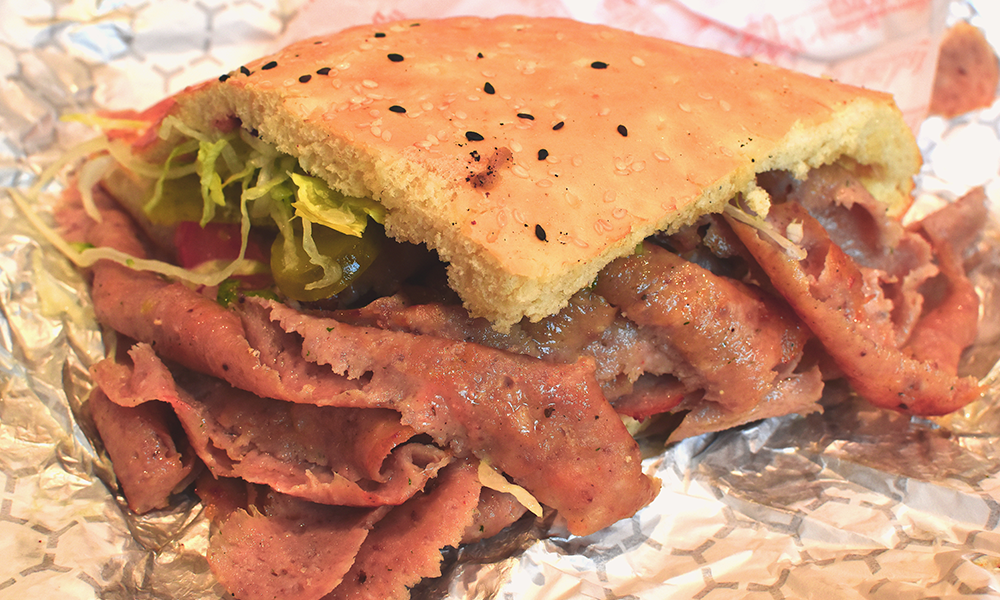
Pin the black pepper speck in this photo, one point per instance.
(543, 154)
(305, 78)
(599, 65)
(472, 136)
(623, 130)
(395, 57)
(397, 109)
(488, 88)
(269, 66)
(539, 232)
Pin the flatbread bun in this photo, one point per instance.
(530, 152)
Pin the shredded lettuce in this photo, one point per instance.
(272, 187)
(178, 150)
(747, 218)
(490, 478)
(90, 174)
(332, 273)
(104, 123)
(315, 201)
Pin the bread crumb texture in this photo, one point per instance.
(531, 152)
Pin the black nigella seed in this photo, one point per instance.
(479, 55)
(255, 133)
(526, 116)
(488, 88)
(379, 34)
(269, 66)
(543, 154)
(622, 130)
(599, 65)
(245, 71)
(224, 77)
(305, 78)
(397, 109)
(396, 57)
(472, 136)
(558, 126)
(539, 232)
(323, 71)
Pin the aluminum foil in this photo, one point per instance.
(854, 503)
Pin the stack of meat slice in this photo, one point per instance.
(339, 451)
(336, 457)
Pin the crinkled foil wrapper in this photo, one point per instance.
(854, 503)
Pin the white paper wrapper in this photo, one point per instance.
(855, 503)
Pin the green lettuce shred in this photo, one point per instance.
(316, 202)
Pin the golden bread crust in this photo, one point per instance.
(592, 139)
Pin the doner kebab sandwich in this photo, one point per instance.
(390, 289)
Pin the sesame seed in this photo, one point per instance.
(395, 57)
(639, 165)
(520, 171)
(572, 199)
(516, 146)
(619, 213)
(379, 34)
(472, 136)
(623, 130)
(602, 225)
(638, 61)
(472, 98)
(544, 183)
(224, 77)
(725, 151)
(598, 65)
(365, 46)
(323, 71)
(660, 156)
(580, 243)
(488, 88)
(517, 216)
(397, 109)
(543, 154)
(725, 105)
(269, 66)
(368, 83)
(604, 111)
(558, 126)
(684, 107)
(704, 95)
(526, 116)
(540, 233)
(305, 78)
(460, 114)
(245, 70)
(610, 196)
(577, 161)
(503, 44)
(376, 131)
